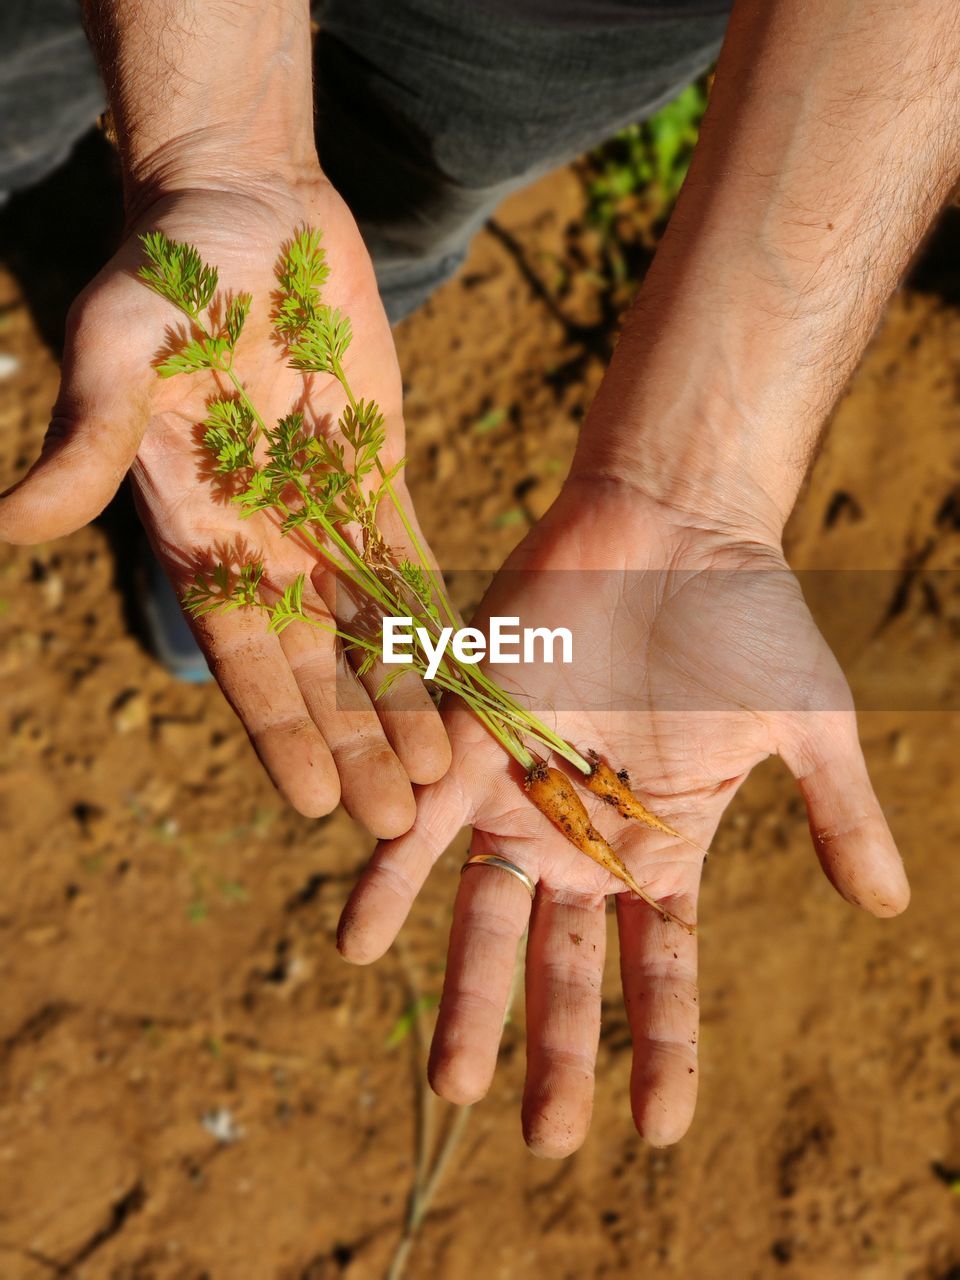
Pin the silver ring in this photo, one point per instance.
(494, 860)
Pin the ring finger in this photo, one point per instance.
(490, 914)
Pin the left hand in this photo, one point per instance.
(695, 658)
(319, 731)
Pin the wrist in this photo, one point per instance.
(695, 416)
(207, 95)
(208, 161)
(608, 524)
(707, 471)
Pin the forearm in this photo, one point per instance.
(831, 140)
(206, 88)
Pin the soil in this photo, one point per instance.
(192, 1084)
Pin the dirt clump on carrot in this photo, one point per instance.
(553, 794)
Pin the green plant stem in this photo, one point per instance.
(426, 1185)
(418, 548)
(498, 695)
(486, 711)
(535, 726)
(425, 1199)
(241, 391)
(506, 709)
(328, 527)
(334, 631)
(491, 714)
(433, 577)
(423, 1195)
(504, 718)
(510, 743)
(361, 575)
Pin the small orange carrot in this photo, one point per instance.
(553, 794)
(613, 788)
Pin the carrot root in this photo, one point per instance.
(553, 794)
(613, 788)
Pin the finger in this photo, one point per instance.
(398, 534)
(384, 894)
(658, 969)
(850, 833)
(251, 669)
(491, 911)
(98, 421)
(410, 721)
(405, 709)
(565, 956)
(374, 785)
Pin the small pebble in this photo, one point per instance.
(52, 590)
(902, 749)
(9, 365)
(130, 711)
(221, 1125)
(41, 935)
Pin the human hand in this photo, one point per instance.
(314, 726)
(695, 658)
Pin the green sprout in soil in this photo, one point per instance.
(636, 176)
(327, 492)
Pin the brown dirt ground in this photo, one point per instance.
(166, 926)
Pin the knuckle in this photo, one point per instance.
(577, 980)
(391, 877)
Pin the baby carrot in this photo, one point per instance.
(613, 788)
(553, 794)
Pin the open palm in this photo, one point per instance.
(313, 724)
(694, 658)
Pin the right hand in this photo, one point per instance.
(316, 729)
(696, 659)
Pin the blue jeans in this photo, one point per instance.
(429, 111)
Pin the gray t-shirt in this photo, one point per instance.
(603, 13)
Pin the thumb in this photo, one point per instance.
(95, 430)
(850, 833)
